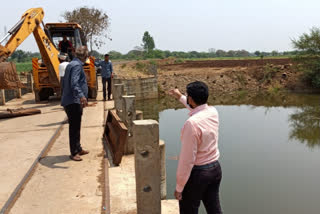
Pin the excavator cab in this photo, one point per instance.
(66, 33)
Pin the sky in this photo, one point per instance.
(185, 25)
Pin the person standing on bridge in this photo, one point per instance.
(106, 74)
(199, 173)
(74, 99)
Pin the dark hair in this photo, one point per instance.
(198, 91)
(106, 55)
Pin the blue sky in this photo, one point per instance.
(186, 25)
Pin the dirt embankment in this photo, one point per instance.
(222, 76)
(229, 76)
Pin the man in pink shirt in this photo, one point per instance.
(199, 172)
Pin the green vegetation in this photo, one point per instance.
(24, 66)
(23, 56)
(141, 66)
(274, 89)
(177, 61)
(242, 94)
(148, 42)
(308, 57)
(241, 79)
(268, 73)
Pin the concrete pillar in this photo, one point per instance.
(163, 184)
(114, 81)
(18, 92)
(117, 96)
(128, 116)
(139, 115)
(30, 83)
(2, 97)
(147, 166)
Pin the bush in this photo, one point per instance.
(140, 66)
(308, 58)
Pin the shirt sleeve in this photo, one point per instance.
(187, 157)
(75, 76)
(111, 68)
(97, 64)
(183, 100)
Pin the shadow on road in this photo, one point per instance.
(51, 161)
(53, 124)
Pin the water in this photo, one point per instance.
(270, 151)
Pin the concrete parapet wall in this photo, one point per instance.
(142, 88)
(10, 94)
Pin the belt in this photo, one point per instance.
(206, 166)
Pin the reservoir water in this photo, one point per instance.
(270, 150)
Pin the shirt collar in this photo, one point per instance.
(197, 109)
(78, 60)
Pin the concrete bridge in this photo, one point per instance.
(37, 176)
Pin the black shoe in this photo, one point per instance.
(104, 99)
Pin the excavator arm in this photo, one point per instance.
(30, 23)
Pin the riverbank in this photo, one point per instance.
(222, 76)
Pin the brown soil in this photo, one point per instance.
(224, 76)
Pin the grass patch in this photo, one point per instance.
(178, 61)
(268, 73)
(242, 93)
(242, 79)
(24, 66)
(238, 58)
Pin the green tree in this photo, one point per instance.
(147, 42)
(308, 57)
(96, 54)
(115, 55)
(94, 23)
(275, 53)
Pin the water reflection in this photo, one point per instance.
(305, 124)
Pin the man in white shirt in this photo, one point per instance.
(62, 67)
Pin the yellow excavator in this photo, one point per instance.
(45, 71)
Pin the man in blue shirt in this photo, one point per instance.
(106, 74)
(74, 99)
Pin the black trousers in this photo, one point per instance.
(74, 113)
(203, 184)
(104, 80)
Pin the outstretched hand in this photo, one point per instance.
(83, 102)
(175, 93)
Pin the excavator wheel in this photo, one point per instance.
(43, 94)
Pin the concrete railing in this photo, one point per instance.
(143, 141)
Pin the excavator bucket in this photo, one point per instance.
(9, 77)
